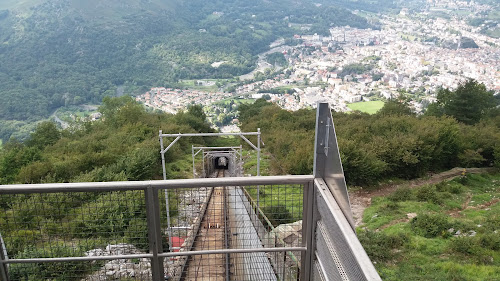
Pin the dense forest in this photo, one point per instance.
(61, 53)
(461, 129)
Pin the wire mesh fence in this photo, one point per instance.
(111, 230)
(130, 269)
(80, 224)
(231, 218)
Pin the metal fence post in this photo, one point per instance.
(154, 232)
(3, 257)
(166, 191)
(308, 231)
(258, 167)
(192, 154)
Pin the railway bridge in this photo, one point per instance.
(221, 226)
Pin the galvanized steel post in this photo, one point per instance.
(3, 257)
(240, 164)
(192, 153)
(258, 166)
(167, 207)
(204, 170)
(258, 152)
(308, 230)
(154, 232)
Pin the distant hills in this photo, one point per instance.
(68, 52)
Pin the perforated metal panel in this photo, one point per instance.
(337, 248)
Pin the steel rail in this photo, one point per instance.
(203, 217)
(160, 184)
(216, 147)
(196, 231)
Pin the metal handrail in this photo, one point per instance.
(160, 184)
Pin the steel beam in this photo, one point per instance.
(209, 134)
(216, 147)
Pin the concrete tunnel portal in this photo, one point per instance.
(221, 162)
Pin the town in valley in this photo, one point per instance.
(411, 56)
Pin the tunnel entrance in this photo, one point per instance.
(221, 162)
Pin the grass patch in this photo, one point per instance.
(250, 162)
(370, 107)
(447, 240)
(237, 101)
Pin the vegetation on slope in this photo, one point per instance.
(447, 231)
(122, 146)
(391, 143)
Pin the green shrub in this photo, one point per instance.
(109, 215)
(137, 233)
(490, 241)
(429, 226)
(402, 194)
(390, 208)
(491, 223)
(465, 245)
(380, 246)
(17, 240)
(51, 270)
(428, 193)
(455, 188)
(278, 214)
(451, 187)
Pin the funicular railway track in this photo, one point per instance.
(213, 234)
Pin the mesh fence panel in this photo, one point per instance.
(135, 269)
(78, 224)
(228, 218)
(113, 223)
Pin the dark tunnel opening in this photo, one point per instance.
(221, 163)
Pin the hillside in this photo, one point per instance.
(394, 143)
(443, 231)
(122, 146)
(57, 53)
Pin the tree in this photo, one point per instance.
(46, 133)
(394, 107)
(468, 103)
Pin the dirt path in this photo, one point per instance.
(361, 199)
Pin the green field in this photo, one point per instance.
(370, 107)
(191, 84)
(236, 101)
(495, 33)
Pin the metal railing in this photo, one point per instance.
(93, 231)
(241, 228)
